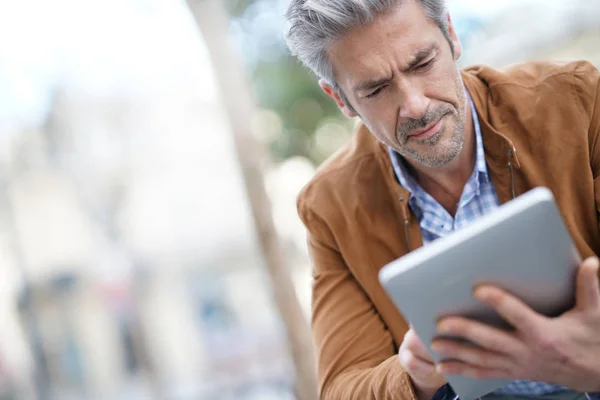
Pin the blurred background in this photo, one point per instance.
(138, 255)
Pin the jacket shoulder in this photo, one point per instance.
(339, 182)
(532, 74)
(545, 80)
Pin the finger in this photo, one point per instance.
(588, 288)
(416, 346)
(460, 368)
(486, 336)
(471, 355)
(416, 366)
(511, 309)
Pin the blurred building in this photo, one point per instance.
(131, 218)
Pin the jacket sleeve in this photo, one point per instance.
(356, 354)
(588, 87)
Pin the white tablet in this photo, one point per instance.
(522, 247)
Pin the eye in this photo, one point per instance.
(375, 93)
(425, 65)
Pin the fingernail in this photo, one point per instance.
(444, 328)
(482, 293)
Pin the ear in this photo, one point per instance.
(331, 92)
(454, 38)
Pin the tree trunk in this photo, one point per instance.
(213, 22)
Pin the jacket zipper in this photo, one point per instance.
(406, 224)
(511, 153)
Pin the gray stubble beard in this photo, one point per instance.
(454, 147)
(437, 159)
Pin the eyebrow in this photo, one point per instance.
(416, 59)
(420, 56)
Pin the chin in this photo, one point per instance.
(435, 156)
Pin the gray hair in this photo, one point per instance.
(316, 24)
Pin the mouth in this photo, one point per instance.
(427, 132)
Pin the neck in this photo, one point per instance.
(446, 184)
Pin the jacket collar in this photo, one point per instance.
(498, 147)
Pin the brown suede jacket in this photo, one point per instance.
(540, 124)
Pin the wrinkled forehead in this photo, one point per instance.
(391, 40)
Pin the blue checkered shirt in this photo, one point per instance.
(478, 198)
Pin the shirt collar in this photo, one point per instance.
(480, 163)
(409, 183)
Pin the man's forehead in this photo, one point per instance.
(366, 71)
(398, 34)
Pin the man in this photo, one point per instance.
(436, 149)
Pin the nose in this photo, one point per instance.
(414, 102)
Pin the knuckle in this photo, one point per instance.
(521, 321)
(412, 363)
(555, 347)
(408, 361)
(411, 340)
(485, 359)
(547, 343)
(496, 344)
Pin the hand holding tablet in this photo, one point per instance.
(523, 247)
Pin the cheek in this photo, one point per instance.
(381, 121)
(445, 85)
(386, 129)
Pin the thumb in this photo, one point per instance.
(588, 288)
